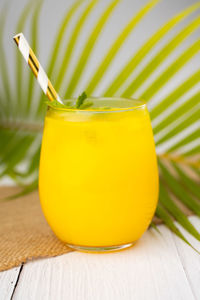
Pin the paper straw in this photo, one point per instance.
(36, 67)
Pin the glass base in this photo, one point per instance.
(101, 249)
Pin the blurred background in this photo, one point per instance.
(52, 13)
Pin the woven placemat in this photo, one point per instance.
(24, 233)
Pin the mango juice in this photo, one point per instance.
(98, 180)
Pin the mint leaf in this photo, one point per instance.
(80, 104)
(81, 99)
(54, 103)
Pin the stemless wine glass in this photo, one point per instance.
(98, 180)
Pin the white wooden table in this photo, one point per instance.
(157, 267)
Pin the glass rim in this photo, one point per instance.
(137, 104)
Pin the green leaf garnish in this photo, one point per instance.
(55, 104)
(81, 99)
(79, 103)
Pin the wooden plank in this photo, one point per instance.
(8, 280)
(152, 269)
(190, 259)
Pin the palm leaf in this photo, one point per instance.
(176, 196)
(179, 191)
(160, 57)
(175, 122)
(177, 113)
(175, 95)
(88, 48)
(27, 190)
(163, 215)
(34, 43)
(117, 45)
(16, 153)
(189, 138)
(144, 50)
(16, 143)
(56, 48)
(171, 70)
(19, 60)
(176, 212)
(71, 43)
(190, 184)
(5, 93)
(8, 140)
(195, 150)
(185, 123)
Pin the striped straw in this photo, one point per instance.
(36, 67)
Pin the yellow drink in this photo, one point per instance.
(98, 180)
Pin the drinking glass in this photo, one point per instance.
(98, 179)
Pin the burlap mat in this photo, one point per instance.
(24, 233)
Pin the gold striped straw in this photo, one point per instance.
(36, 67)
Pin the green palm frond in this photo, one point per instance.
(179, 190)
(179, 112)
(185, 123)
(89, 45)
(193, 151)
(167, 202)
(144, 50)
(19, 60)
(188, 139)
(171, 70)
(34, 43)
(71, 43)
(188, 84)
(5, 91)
(56, 48)
(190, 184)
(175, 121)
(117, 45)
(167, 219)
